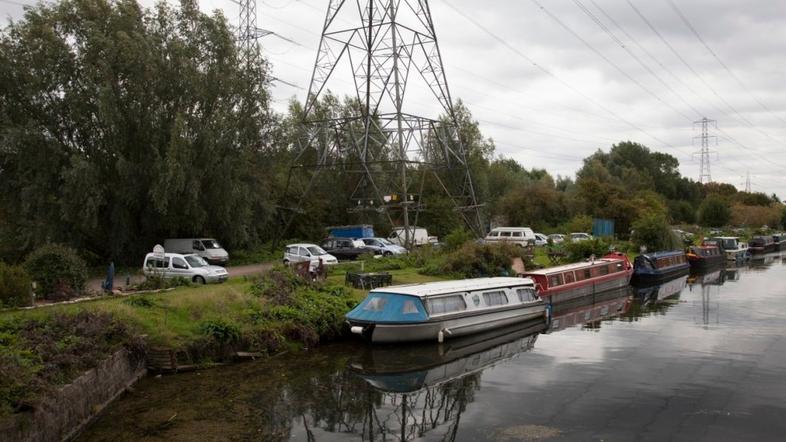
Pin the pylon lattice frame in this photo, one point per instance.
(394, 46)
(705, 175)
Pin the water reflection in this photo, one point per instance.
(590, 311)
(419, 389)
(661, 357)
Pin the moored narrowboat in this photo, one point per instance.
(705, 256)
(734, 249)
(780, 241)
(762, 244)
(571, 281)
(445, 309)
(659, 266)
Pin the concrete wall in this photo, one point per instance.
(62, 415)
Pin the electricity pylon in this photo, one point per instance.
(386, 145)
(705, 176)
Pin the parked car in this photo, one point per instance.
(417, 235)
(308, 252)
(346, 248)
(520, 236)
(557, 238)
(541, 239)
(191, 267)
(207, 248)
(385, 247)
(580, 236)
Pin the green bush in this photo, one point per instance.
(578, 251)
(220, 330)
(714, 212)
(14, 286)
(456, 239)
(653, 232)
(158, 282)
(58, 271)
(475, 260)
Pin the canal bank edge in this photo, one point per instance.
(63, 414)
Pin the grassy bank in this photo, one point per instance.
(44, 348)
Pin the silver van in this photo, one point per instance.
(207, 248)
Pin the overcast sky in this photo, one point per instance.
(587, 94)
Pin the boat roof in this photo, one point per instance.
(725, 237)
(569, 267)
(461, 285)
(662, 254)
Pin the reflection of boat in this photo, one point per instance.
(659, 266)
(437, 310)
(732, 274)
(703, 257)
(402, 369)
(710, 278)
(590, 308)
(571, 281)
(658, 292)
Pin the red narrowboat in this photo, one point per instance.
(572, 281)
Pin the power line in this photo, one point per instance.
(725, 67)
(546, 71)
(627, 49)
(609, 61)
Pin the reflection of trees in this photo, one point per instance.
(341, 402)
(407, 416)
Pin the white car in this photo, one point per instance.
(557, 238)
(385, 247)
(579, 236)
(191, 267)
(541, 239)
(308, 252)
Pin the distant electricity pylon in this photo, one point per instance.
(705, 176)
(384, 147)
(748, 182)
(248, 35)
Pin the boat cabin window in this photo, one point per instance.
(555, 280)
(496, 297)
(446, 304)
(618, 267)
(495, 234)
(527, 294)
(517, 234)
(603, 270)
(581, 275)
(568, 277)
(505, 234)
(375, 304)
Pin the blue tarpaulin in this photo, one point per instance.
(389, 307)
(602, 227)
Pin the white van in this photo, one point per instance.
(208, 248)
(418, 236)
(520, 236)
(190, 267)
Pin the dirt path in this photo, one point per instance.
(94, 284)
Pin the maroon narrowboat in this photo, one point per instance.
(762, 244)
(572, 281)
(702, 257)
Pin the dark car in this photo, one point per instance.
(345, 248)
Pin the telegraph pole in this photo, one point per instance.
(705, 175)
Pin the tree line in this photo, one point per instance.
(121, 126)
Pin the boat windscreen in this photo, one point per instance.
(389, 307)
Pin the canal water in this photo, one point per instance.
(698, 358)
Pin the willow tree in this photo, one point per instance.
(120, 126)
